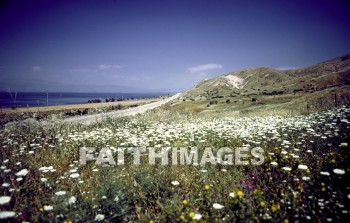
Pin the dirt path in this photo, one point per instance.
(79, 106)
(120, 113)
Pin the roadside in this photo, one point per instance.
(126, 112)
(8, 115)
(97, 117)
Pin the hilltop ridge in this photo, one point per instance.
(319, 86)
(334, 72)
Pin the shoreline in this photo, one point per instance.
(80, 111)
(79, 106)
(88, 118)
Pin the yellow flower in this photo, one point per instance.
(191, 214)
(295, 195)
(262, 204)
(323, 189)
(240, 193)
(286, 221)
(182, 218)
(275, 207)
(207, 187)
(41, 209)
(184, 202)
(151, 221)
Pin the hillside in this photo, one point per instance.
(326, 81)
(335, 72)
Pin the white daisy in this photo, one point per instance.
(324, 173)
(339, 171)
(72, 200)
(5, 199)
(217, 206)
(175, 183)
(99, 217)
(59, 193)
(7, 214)
(22, 173)
(74, 175)
(286, 168)
(48, 207)
(302, 167)
(197, 217)
(306, 178)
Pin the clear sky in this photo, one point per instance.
(161, 45)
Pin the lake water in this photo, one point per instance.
(34, 99)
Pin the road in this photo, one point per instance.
(120, 113)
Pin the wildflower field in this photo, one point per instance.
(304, 176)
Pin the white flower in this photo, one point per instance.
(197, 217)
(302, 167)
(343, 144)
(48, 207)
(217, 206)
(5, 184)
(116, 199)
(22, 173)
(46, 169)
(99, 217)
(274, 163)
(74, 175)
(175, 183)
(324, 173)
(59, 193)
(43, 180)
(339, 171)
(306, 178)
(286, 168)
(72, 200)
(5, 199)
(6, 214)
(232, 194)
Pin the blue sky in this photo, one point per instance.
(161, 45)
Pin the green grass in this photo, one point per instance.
(144, 193)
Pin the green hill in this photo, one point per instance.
(325, 83)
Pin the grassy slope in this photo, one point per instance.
(299, 90)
